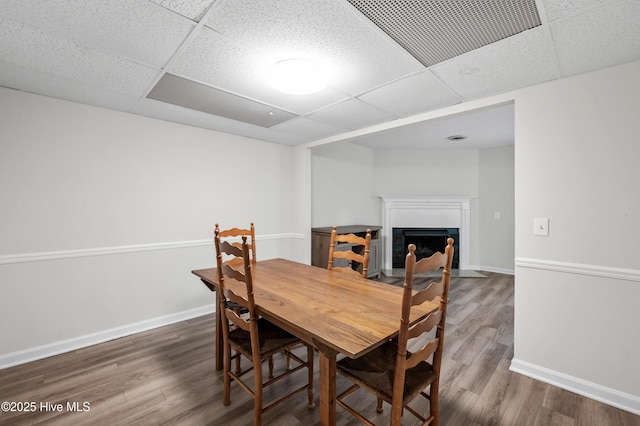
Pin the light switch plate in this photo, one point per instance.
(541, 226)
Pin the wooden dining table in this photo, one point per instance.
(335, 312)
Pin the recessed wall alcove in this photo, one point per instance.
(426, 212)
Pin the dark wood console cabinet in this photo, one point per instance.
(321, 239)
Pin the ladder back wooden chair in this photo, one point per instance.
(350, 241)
(393, 373)
(233, 235)
(254, 338)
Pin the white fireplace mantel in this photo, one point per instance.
(426, 212)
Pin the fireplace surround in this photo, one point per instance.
(426, 212)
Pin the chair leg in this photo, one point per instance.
(379, 406)
(257, 395)
(238, 360)
(270, 361)
(226, 400)
(433, 404)
(310, 355)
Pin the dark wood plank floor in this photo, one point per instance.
(167, 376)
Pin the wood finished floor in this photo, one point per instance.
(167, 376)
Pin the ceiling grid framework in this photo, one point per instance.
(391, 61)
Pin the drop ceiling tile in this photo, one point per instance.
(140, 30)
(28, 80)
(519, 61)
(216, 61)
(330, 32)
(411, 95)
(24, 46)
(603, 37)
(557, 9)
(307, 130)
(192, 9)
(351, 114)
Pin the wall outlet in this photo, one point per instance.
(541, 226)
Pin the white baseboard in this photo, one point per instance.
(492, 269)
(615, 398)
(55, 348)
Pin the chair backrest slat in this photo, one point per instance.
(422, 354)
(425, 325)
(435, 289)
(239, 233)
(350, 255)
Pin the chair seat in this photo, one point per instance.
(273, 339)
(375, 371)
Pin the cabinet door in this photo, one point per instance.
(374, 259)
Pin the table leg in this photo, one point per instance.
(327, 360)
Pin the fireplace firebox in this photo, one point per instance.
(427, 242)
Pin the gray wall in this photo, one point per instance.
(496, 235)
(408, 172)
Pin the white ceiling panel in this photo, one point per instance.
(307, 130)
(47, 84)
(518, 61)
(411, 95)
(598, 37)
(140, 30)
(113, 53)
(27, 47)
(352, 114)
(192, 9)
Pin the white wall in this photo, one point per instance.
(577, 290)
(104, 214)
(496, 235)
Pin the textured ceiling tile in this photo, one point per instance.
(140, 30)
(20, 78)
(329, 32)
(307, 130)
(24, 46)
(557, 9)
(519, 61)
(352, 114)
(411, 95)
(602, 38)
(192, 9)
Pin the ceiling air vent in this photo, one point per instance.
(434, 31)
(190, 94)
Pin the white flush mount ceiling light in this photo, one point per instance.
(298, 77)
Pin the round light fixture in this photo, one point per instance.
(297, 77)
